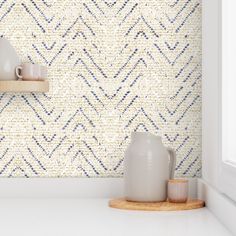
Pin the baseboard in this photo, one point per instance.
(69, 188)
(220, 205)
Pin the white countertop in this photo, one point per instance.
(93, 217)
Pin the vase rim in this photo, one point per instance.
(145, 135)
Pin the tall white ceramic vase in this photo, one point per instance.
(147, 168)
(9, 60)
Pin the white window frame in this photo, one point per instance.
(227, 170)
(217, 173)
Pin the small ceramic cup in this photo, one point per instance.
(178, 190)
(28, 71)
(43, 73)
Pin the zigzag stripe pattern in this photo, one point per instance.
(115, 66)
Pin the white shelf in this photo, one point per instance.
(24, 86)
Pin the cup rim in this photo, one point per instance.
(177, 181)
(27, 63)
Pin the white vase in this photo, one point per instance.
(147, 168)
(9, 60)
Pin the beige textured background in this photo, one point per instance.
(114, 67)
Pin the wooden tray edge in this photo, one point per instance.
(122, 204)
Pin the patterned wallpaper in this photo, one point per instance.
(115, 66)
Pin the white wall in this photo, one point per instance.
(210, 91)
(69, 187)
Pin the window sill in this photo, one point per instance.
(219, 204)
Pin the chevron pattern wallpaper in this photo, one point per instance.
(115, 66)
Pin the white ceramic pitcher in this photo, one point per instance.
(147, 168)
(8, 60)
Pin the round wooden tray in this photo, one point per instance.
(155, 206)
